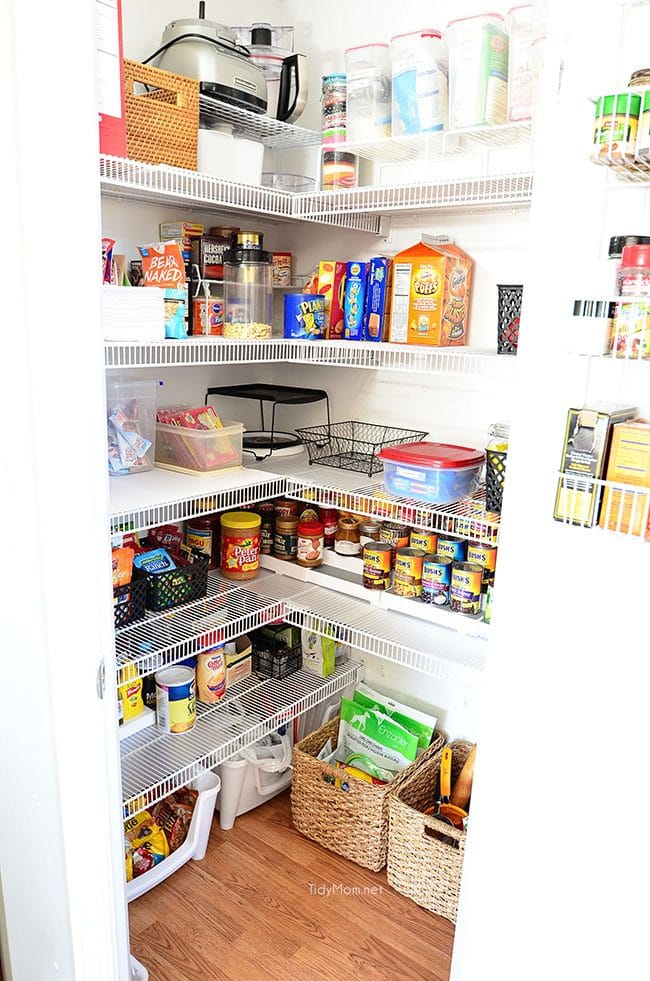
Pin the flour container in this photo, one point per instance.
(419, 67)
(478, 71)
(248, 307)
(368, 92)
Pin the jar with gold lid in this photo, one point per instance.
(348, 536)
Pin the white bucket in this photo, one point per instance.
(246, 783)
(221, 155)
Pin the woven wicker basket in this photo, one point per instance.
(352, 823)
(425, 855)
(162, 126)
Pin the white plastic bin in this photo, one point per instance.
(419, 66)
(131, 422)
(199, 452)
(369, 92)
(230, 158)
(194, 846)
(255, 775)
(478, 71)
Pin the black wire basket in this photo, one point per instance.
(273, 657)
(510, 298)
(353, 445)
(129, 602)
(188, 582)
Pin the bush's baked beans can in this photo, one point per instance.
(466, 586)
(436, 579)
(426, 540)
(395, 535)
(408, 572)
(485, 556)
(377, 558)
(455, 548)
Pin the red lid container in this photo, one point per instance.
(433, 456)
(635, 255)
(310, 529)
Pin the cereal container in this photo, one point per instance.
(247, 269)
(478, 71)
(131, 422)
(419, 70)
(368, 93)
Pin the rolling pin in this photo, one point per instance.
(462, 791)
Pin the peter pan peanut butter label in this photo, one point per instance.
(240, 554)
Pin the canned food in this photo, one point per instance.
(436, 579)
(455, 548)
(426, 540)
(175, 699)
(408, 572)
(466, 585)
(395, 535)
(377, 558)
(486, 557)
(211, 674)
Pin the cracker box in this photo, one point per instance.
(331, 285)
(629, 463)
(584, 454)
(377, 299)
(431, 294)
(356, 281)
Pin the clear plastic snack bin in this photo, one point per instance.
(199, 451)
(131, 426)
(369, 92)
(478, 71)
(419, 68)
(437, 473)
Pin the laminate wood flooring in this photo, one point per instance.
(268, 903)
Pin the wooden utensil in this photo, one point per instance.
(462, 790)
(445, 789)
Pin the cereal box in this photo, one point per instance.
(629, 463)
(431, 294)
(356, 276)
(377, 299)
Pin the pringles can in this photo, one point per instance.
(436, 579)
(466, 586)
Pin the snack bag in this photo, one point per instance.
(419, 724)
(174, 814)
(122, 562)
(145, 845)
(163, 266)
(373, 742)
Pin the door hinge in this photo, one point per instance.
(101, 681)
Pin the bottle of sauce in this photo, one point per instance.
(202, 534)
(348, 538)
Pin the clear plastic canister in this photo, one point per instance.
(334, 108)
(369, 92)
(339, 169)
(478, 71)
(248, 307)
(521, 63)
(419, 66)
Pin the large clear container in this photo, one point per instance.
(522, 62)
(478, 71)
(248, 285)
(368, 93)
(131, 426)
(419, 65)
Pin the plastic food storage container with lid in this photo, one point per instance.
(437, 473)
(248, 292)
(199, 451)
(131, 426)
(368, 92)
(419, 66)
(478, 71)
(522, 63)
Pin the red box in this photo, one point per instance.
(110, 72)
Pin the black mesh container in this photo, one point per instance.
(509, 316)
(495, 476)
(273, 657)
(129, 602)
(353, 445)
(188, 582)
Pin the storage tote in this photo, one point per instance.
(425, 855)
(353, 822)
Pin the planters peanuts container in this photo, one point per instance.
(304, 316)
(356, 275)
(175, 699)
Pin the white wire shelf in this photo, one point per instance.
(255, 126)
(157, 497)
(162, 639)
(423, 147)
(358, 209)
(606, 505)
(154, 764)
(455, 362)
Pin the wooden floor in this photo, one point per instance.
(254, 908)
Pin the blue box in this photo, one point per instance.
(376, 300)
(304, 316)
(355, 297)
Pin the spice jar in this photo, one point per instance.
(240, 545)
(285, 538)
(369, 531)
(629, 335)
(311, 543)
(286, 509)
(281, 271)
(348, 539)
(202, 534)
(615, 128)
(330, 520)
(633, 277)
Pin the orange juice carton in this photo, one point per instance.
(431, 294)
(629, 463)
(331, 285)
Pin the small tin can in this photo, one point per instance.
(395, 535)
(455, 548)
(175, 699)
(436, 579)
(486, 557)
(408, 572)
(426, 540)
(369, 531)
(466, 585)
(377, 557)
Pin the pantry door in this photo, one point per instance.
(62, 908)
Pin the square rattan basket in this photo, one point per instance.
(162, 123)
(425, 855)
(353, 445)
(352, 822)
